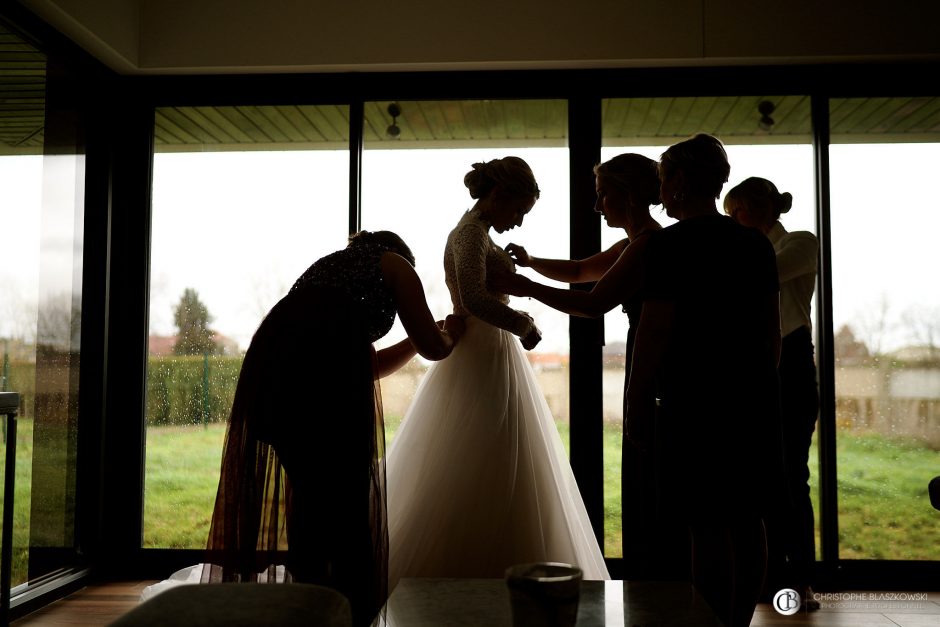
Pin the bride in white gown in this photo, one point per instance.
(478, 479)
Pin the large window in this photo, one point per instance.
(886, 322)
(244, 200)
(41, 212)
(413, 184)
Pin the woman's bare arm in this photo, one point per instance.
(622, 282)
(569, 270)
(429, 340)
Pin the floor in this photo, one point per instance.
(100, 604)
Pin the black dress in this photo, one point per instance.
(717, 438)
(303, 479)
(653, 549)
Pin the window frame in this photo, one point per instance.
(119, 152)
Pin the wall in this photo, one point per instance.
(181, 36)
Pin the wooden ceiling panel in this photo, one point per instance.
(22, 95)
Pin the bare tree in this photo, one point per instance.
(873, 325)
(922, 325)
(17, 313)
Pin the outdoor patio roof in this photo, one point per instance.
(469, 123)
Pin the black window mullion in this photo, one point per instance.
(356, 120)
(825, 358)
(586, 334)
(125, 346)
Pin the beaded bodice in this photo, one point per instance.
(468, 256)
(355, 271)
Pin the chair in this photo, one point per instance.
(242, 605)
(933, 488)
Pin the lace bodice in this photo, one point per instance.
(355, 271)
(468, 256)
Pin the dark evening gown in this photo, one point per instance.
(718, 443)
(652, 549)
(301, 494)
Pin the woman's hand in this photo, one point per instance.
(454, 326)
(531, 339)
(508, 283)
(519, 255)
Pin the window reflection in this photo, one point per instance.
(41, 210)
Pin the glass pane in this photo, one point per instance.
(886, 321)
(41, 210)
(244, 200)
(413, 185)
(779, 151)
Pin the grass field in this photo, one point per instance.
(884, 511)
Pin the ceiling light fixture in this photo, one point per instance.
(393, 131)
(766, 108)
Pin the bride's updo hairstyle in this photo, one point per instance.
(634, 174)
(512, 175)
(760, 195)
(386, 239)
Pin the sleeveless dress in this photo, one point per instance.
(478, 478)
(302, 488)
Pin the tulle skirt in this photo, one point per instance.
(302, 481)
(478, 478)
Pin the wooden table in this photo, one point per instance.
(477, 602)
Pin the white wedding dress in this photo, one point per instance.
(478, 478)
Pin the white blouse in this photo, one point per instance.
(797, 261)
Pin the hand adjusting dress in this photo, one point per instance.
(478, 478)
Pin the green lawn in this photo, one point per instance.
(883, 505)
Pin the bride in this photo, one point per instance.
(478, 479)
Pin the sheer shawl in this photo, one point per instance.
(301, 493)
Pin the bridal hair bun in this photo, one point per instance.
(759, 193)
(785, 202)
(511, 174)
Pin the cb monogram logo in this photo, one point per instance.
(787, 602)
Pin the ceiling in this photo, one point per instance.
(468, 123)
(22, 95)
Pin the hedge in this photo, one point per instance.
(175, 389)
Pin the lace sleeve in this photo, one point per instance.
(470, 246)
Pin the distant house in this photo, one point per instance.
(547, 361)
(160, 345)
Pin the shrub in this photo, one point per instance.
(177, 394)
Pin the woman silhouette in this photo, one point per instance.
(756, 202)
(703, 390)
(308, 403)
(627, 187)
